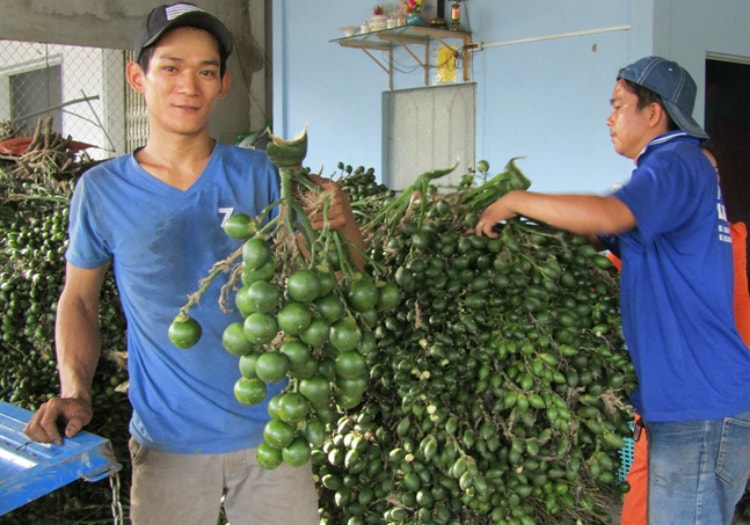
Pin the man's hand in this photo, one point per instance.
(73, 413)
(340, 217)
(494, 213)
(339, 210)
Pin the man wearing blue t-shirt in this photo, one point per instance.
(155, 215)
(668, 226)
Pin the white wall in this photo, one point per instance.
(545, 100)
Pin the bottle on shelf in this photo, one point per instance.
(455, 16)
(439, 20)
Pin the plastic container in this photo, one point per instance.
(626, 458)
(29, 470)
(378, 22)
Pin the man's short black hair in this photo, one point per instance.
(647, 97)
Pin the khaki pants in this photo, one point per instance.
(186, 489)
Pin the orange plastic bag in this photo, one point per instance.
(741, 294)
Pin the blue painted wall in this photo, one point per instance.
(546, 100)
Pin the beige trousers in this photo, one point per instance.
(187, 489)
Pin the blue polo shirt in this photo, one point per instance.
(162, 241)
(677, 287)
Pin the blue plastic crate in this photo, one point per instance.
(626, 459)
(29, 470)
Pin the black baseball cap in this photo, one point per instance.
(169, 16)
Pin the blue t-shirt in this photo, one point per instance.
(162, 241)
(677, 288)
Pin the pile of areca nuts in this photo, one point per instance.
(499, 385)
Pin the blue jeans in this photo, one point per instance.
(697, 470)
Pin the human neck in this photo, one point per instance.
(177, 161)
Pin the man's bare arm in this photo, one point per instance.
(78, 345)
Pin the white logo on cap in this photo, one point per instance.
(173, 11)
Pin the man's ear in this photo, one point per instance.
(656, 114)
(134, 75)
(225, 81)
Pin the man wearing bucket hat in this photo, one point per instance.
(155, 215)
(668, 226)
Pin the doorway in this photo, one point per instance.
(727, 121)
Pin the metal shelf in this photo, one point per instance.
(406, 36)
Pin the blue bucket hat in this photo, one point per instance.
(674, 86)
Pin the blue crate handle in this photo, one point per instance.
(29, 470)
